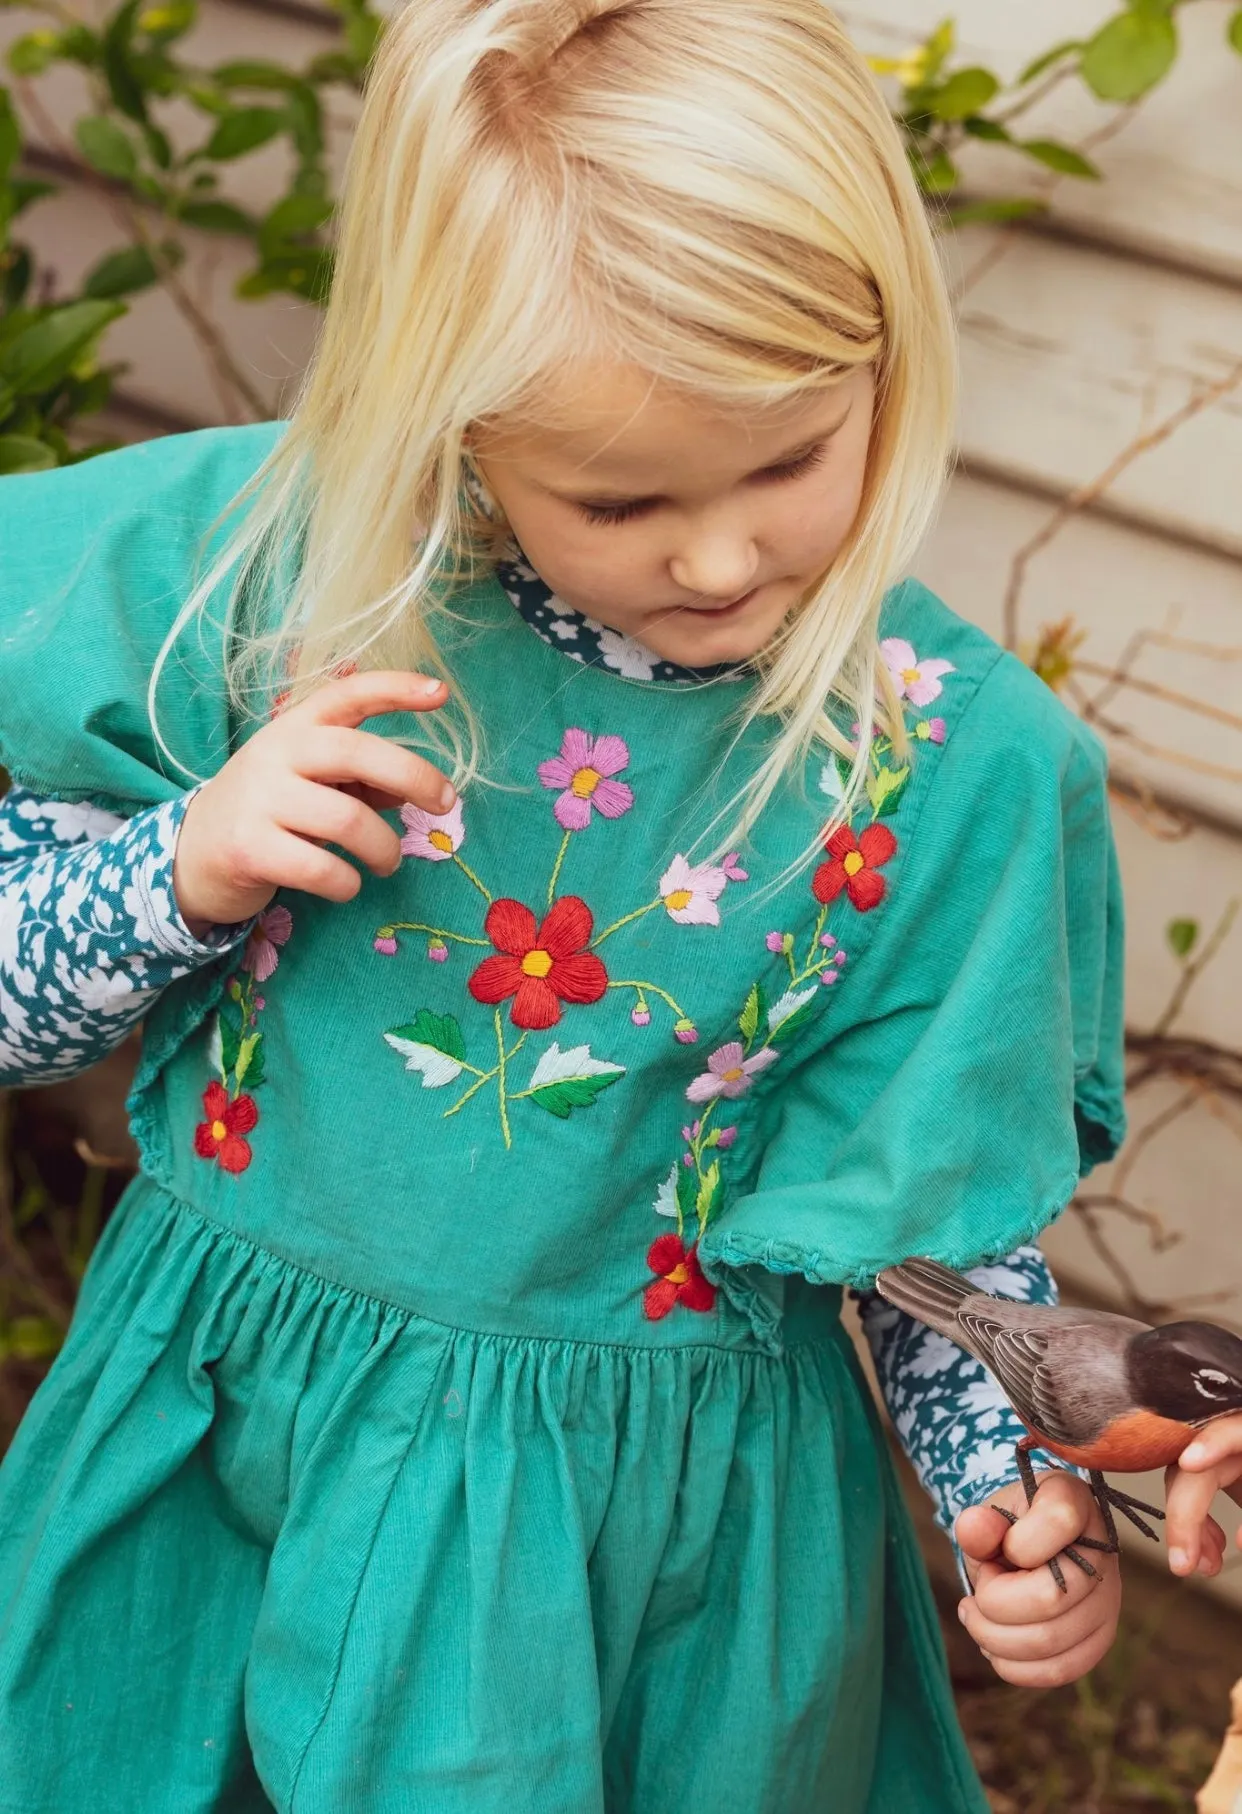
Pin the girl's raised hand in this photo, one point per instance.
(1211, 1464)
(307, 779)
(1032, 1633)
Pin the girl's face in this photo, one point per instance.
(693, 530)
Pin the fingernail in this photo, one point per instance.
(448, 793)
(961, 1611)
(1194, 1454)
(432, 688)
(1205, 1565)
(1179, 1561)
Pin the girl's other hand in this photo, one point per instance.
(307, 779)
(1034, 1635)
(1211, 1464)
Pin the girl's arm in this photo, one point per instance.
(952, 1418)
(90, 931)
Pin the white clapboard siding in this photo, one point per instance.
(1173, 174)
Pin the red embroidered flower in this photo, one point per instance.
(540, 966)
(853, 866)
(220, 1136)
(681, 1279)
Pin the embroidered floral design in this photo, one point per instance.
(729, 1073)
(585, 770)
(235, 1048)
(854, 866)
(680, 1280)
(918, 681)
(544, 966)
(540, 966)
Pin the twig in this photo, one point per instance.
(1194, 968)
(1118, 679)
(1142, 1140)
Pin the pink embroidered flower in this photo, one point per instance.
(685, 1032)
(690, 1134)
(386, 941)
(725, 1138)
(690, 892)
(641, 1015)
(540, 966)
(829, 977)
(680, 1279)
(729, 1072)
(775, 943)
(931, 730)
(433, 836)
(918, 681)
(854, 865)
(438, 951)
(220, 1136)
(827, 940)
(262, 953)
(733, 868)
(585, 769)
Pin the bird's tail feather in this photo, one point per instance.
(925, 1289)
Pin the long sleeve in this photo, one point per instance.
(90, 932)
(951, 1416)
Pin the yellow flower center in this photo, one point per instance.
(679, 899)
(440, 840)
(585, 782)
(536, 963)
(733, 1075)
(218, 1130)
(854, 862)
(678, 1275)
(910, 676)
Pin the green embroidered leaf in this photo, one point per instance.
(666, 1196)
(707, 1192)
(687, 1189)
(245, 1056)
(788, 1016)
(437, 1067)
(230, 1037)
(564, 1081)
(884, 790)
(439, 1031)
(1182, 936)
(752, 1014)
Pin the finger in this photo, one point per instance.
(325, 812)
(292, 862)
(1212, 1549)
(1052, 1672)
(1218, 1441)
(1062, 1509)
(980, 1532)
(1186, 1504)
(336, 754)
(1021, 1596)
(348, 701)
(1036, 1640)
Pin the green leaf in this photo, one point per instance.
(1233, 31)
(22, 453)
(362, 34)
(125, 272)
(706, 1198)
(306, 118)
(1060, 158)
(168, 21)
(333, 66)
(937, 48)
(245, 1057)
(217, 217)
(965, 92)
(295, 215)
(936, 175)
(249, 72)
(106, 146)
(32, 1338)
(972, 213)
(1182, 936)
(123, 84)
(230, 1026)
(305, 273)
(31, 55)
(158, 145)
(884, 790)
(28, 189)
(687, 1191)
(243, 130)
(1129, 55)
(15, 279)
(752, 1014)
(1046, 61)
(42, 355)
(991, 130)
(441, 1032)
(564, 1081)
(10, 135)
(788, 1016)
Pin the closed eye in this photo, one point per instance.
(622, 513)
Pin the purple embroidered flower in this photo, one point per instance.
(641, 1015)
(262, 947)
(690, 892)
(260, 1002)
(729, 1072)
(931, 730)
(918, 681)
(775, 942)
(685, 1032)
(433, 836)
(438, 951)
(585, 770)
(733, 868)
(725, 1138)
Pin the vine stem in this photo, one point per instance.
(501, 1068)
(471, 877)
(653, 989)
(628, 920)
(458, 938)
(561, 854)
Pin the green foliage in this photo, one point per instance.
(1183, 935)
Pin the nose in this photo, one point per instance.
(716, 565)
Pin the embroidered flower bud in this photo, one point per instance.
(685, 1032)
(930, 730)
(827, 941)
(733, 869)
(829, 977)
(690, 1134)
(775, 942)
(386, 941)
(260, 1003)
(687, 1160)
(839, 958)
(640, 1014)
(725, 1138)
(235, 990)
(437, 951)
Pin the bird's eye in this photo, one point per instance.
(1210, 1382)
(1217, 1378)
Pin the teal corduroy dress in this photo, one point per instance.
(457, 1415)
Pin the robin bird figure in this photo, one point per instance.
(1098, 1390)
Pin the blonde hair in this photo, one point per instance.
(713, 190)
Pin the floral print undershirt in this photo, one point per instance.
(90, 936)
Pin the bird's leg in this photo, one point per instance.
(1126, 1504)
(1026, 1474)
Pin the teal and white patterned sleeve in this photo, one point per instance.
(90, 932)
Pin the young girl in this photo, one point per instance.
(457, 1414)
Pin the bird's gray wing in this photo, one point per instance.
(1019, 1359)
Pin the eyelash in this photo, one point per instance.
(622, 513)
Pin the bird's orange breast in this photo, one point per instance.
(1129, 1444)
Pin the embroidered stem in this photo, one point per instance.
(484, 1077)
(814, 945)
(653, 989)
(471, 877)
(436, 932)
(504, 1106)
(629, 918)
(558, 866)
